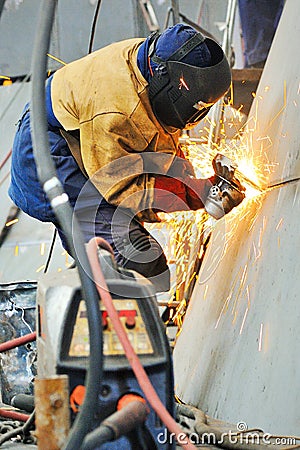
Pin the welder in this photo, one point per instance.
(114, 121)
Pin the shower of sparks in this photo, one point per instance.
(188, 231)
(260, 337)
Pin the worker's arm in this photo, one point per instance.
(115, 157)
(174, 194)
(181, 190)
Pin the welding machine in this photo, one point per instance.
(63, 346)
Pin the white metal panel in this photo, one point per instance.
(237, 355)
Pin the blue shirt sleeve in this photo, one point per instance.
(52, 120)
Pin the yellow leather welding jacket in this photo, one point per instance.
(104, 95)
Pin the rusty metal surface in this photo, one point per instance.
(52, 412)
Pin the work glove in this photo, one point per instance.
(171, 194)
(197, 190)
(224, 167)
(223, 197)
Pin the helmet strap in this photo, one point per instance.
(180, 53)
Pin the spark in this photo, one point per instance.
(11, 222)
(3, 77)
(240, 290)
(56, 59)
(279, 224)
(39, 269)
(244, 319)
(205, 292)
(244, 275)
(42, 248)
(254, 218)
(260, 337)
(234, 318)
(222, 311)
(16, 250)
(183, 83)
(231, 94)
(248, 296)
(284, 104)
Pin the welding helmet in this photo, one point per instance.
(185, 85)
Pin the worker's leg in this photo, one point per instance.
(133, 246)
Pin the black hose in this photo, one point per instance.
(120, 423)
(98, 437)
(64, 213)
(50, 251)
(93, 29)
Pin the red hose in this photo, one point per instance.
(14, 415)
(17, 342)
(134, 361)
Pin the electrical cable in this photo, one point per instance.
(62, 209)
(50, 250)
(133, 359)
(93, 29)
(118, 424)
